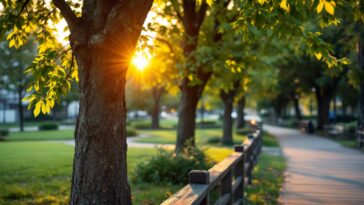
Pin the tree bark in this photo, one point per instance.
(228, 100)
(240, 113)
(20, 108)
(187, 118)
(297, 109)
(323, 107)
(103, 41)
(157, 95)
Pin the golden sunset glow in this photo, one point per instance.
(140, 60)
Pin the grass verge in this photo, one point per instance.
(268, 177)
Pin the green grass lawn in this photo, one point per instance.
(267, 181)
(269, 140)
(203, 137)
(39, 172)
(40, 135)
(169, 136)
(27, 124)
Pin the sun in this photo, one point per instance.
(140, 60)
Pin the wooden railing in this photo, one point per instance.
(230, 176)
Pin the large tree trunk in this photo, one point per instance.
(297, 109)
(187, 118)
(228, 100)
(99, 172)
(157, 95)
(240, 113)
(323, 107)
(187, 111)
(20, 108)
(103, 42)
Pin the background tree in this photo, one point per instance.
(13, 63)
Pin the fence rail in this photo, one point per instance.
(230, 176)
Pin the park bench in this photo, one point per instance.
(360, 138)
(335, 131)
(230, 176)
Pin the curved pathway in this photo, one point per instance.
(319, 171)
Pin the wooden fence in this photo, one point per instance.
(230, 176)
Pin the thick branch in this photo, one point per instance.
(202, 12)
(67, 13)
(134, 10)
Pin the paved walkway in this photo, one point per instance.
(319, 171)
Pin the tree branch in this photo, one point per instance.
(67, 13)
(167, 43)
(23, 7)
(178, 12)
(135, 10)
(202, 12)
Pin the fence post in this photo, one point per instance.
(248, 159)
(240, 172)
(226, 186)
(200, 177)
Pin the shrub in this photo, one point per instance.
(244, 131)
(214, 140)
(350, 127)
(142, 125)
(168, 167)
(131, 132)
(69, 122)
(48, 126)
(207, 124)
(3, 133)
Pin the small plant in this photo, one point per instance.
(171, 168)
(3, 133)
(48, 126)
(131, 132)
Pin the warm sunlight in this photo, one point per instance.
(140, 61)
